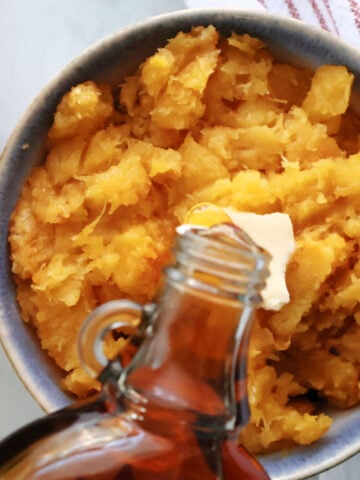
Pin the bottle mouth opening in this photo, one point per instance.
(222, 259)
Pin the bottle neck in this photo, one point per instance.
(194, 359)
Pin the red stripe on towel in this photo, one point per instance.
(322, 22)
(292, 9)
(356, 12)
(329, 10)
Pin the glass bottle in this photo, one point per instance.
(175, 410)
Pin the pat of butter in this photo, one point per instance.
(273, 232)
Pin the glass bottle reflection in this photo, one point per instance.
(174, 412)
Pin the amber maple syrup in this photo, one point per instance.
(174, 412)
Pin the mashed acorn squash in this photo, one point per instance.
(204, 119)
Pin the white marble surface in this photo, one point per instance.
(37, 38)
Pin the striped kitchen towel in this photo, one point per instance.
(340, 17)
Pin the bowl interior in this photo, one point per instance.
(110, 61)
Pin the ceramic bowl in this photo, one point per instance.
(110, 60)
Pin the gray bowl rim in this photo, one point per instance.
(23, 351)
